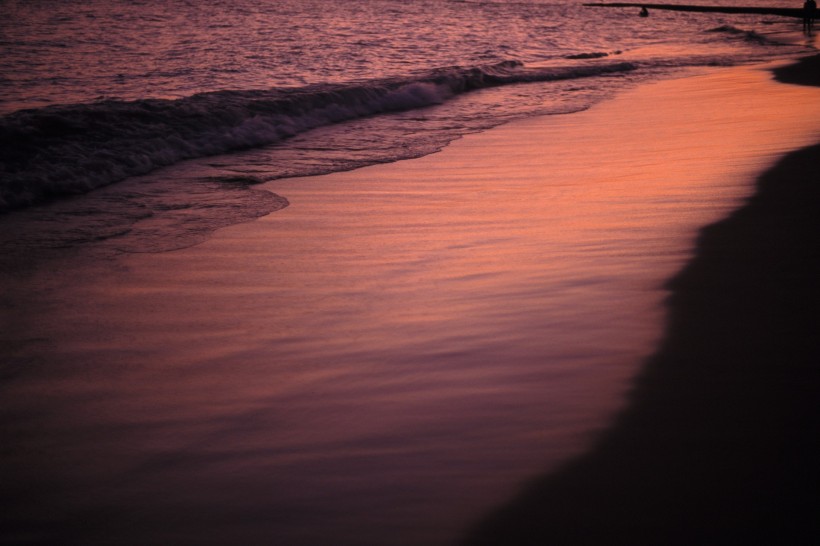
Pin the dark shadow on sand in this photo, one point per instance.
(720, 443)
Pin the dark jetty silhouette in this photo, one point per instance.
(719, 443)
(785, 12)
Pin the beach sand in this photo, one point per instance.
(392, 355)
(719, 442)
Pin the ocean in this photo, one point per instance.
(364, 365)
(93, 93)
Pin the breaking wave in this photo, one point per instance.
(592, 55)
(63, 150)
(748, 35)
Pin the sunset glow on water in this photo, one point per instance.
(395, 350)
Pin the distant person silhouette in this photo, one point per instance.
(645, 12)
(809, 9)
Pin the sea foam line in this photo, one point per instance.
(65, 150)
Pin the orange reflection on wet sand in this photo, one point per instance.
(396, 351)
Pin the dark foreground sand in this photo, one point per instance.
(720, 443)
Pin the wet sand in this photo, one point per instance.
(719, 443)
(392, 355)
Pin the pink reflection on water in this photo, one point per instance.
(387, 358)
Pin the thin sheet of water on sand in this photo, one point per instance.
(395, 352)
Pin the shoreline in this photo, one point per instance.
(718, 444)
(391, 355)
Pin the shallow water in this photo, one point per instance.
(94, 93)
(388, 357)
(394, 349)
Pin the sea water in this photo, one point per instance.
(370, 380)
(93, 93)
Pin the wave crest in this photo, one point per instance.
(63, 150)
(748, 35)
